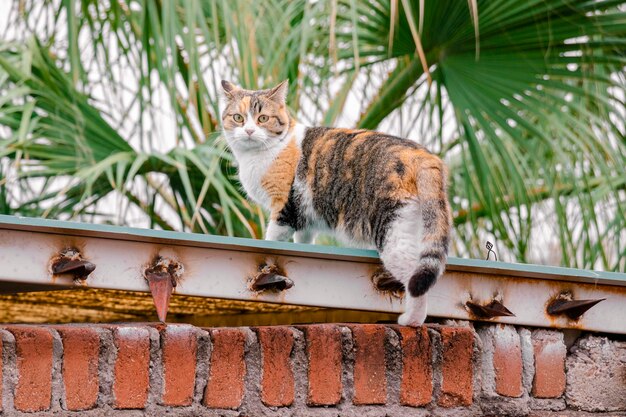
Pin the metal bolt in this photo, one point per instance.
(269, 278)
(494, 309)
(564, 304)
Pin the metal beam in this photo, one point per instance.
(220, 267)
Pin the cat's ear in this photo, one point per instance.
(279, 93)
(229, 88)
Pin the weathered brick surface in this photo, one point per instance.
(325, 364)
(596, 374)
(227, 369)
(34, 367)
(507, 361)
(126, 369)
(370, 380)
(179, 349)
(457, 371)
(550, 352)
(417, 374)
(81, 349)
(277, 384)
(132, 366)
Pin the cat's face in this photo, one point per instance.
(255, 119)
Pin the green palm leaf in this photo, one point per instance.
(525, 102)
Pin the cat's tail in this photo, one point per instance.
(436, 225)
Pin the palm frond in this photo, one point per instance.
(110, 110)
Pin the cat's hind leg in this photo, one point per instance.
(412, 258)
(401, 255)
(416, 242)
(415, 311)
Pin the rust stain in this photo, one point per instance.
(168, 257)
(69, 261)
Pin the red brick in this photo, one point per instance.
(370, 380)
(416, 388)
(507, 361)
(34, 367)
(132, 367)
(81, 349)
(457, 383)
(227, 369)
(180, 346)
(277, 385)
(550, 352)
(325, 362)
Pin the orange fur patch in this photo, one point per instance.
(244, 105)
(278, 180)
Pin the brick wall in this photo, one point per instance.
(317, 370)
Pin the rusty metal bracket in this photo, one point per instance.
(70, 261)
(494, 309)
(269, 278)
(162, 276)
(327, 277)
(574, 309)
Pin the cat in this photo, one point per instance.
(369, 188)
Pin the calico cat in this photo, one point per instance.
(371, 189)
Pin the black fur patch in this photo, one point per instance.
(384, 213)
(290, 215)
(400, 168)
(423, 279)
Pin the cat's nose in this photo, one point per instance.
(249, 132)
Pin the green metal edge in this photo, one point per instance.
(287, 248)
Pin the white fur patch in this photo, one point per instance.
(298, 132)
(252, 169)
(416, 309)
(403, 246)
(279, 232)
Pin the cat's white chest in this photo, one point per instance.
(252, 170)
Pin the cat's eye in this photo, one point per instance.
(237, 117)
(263, 118)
